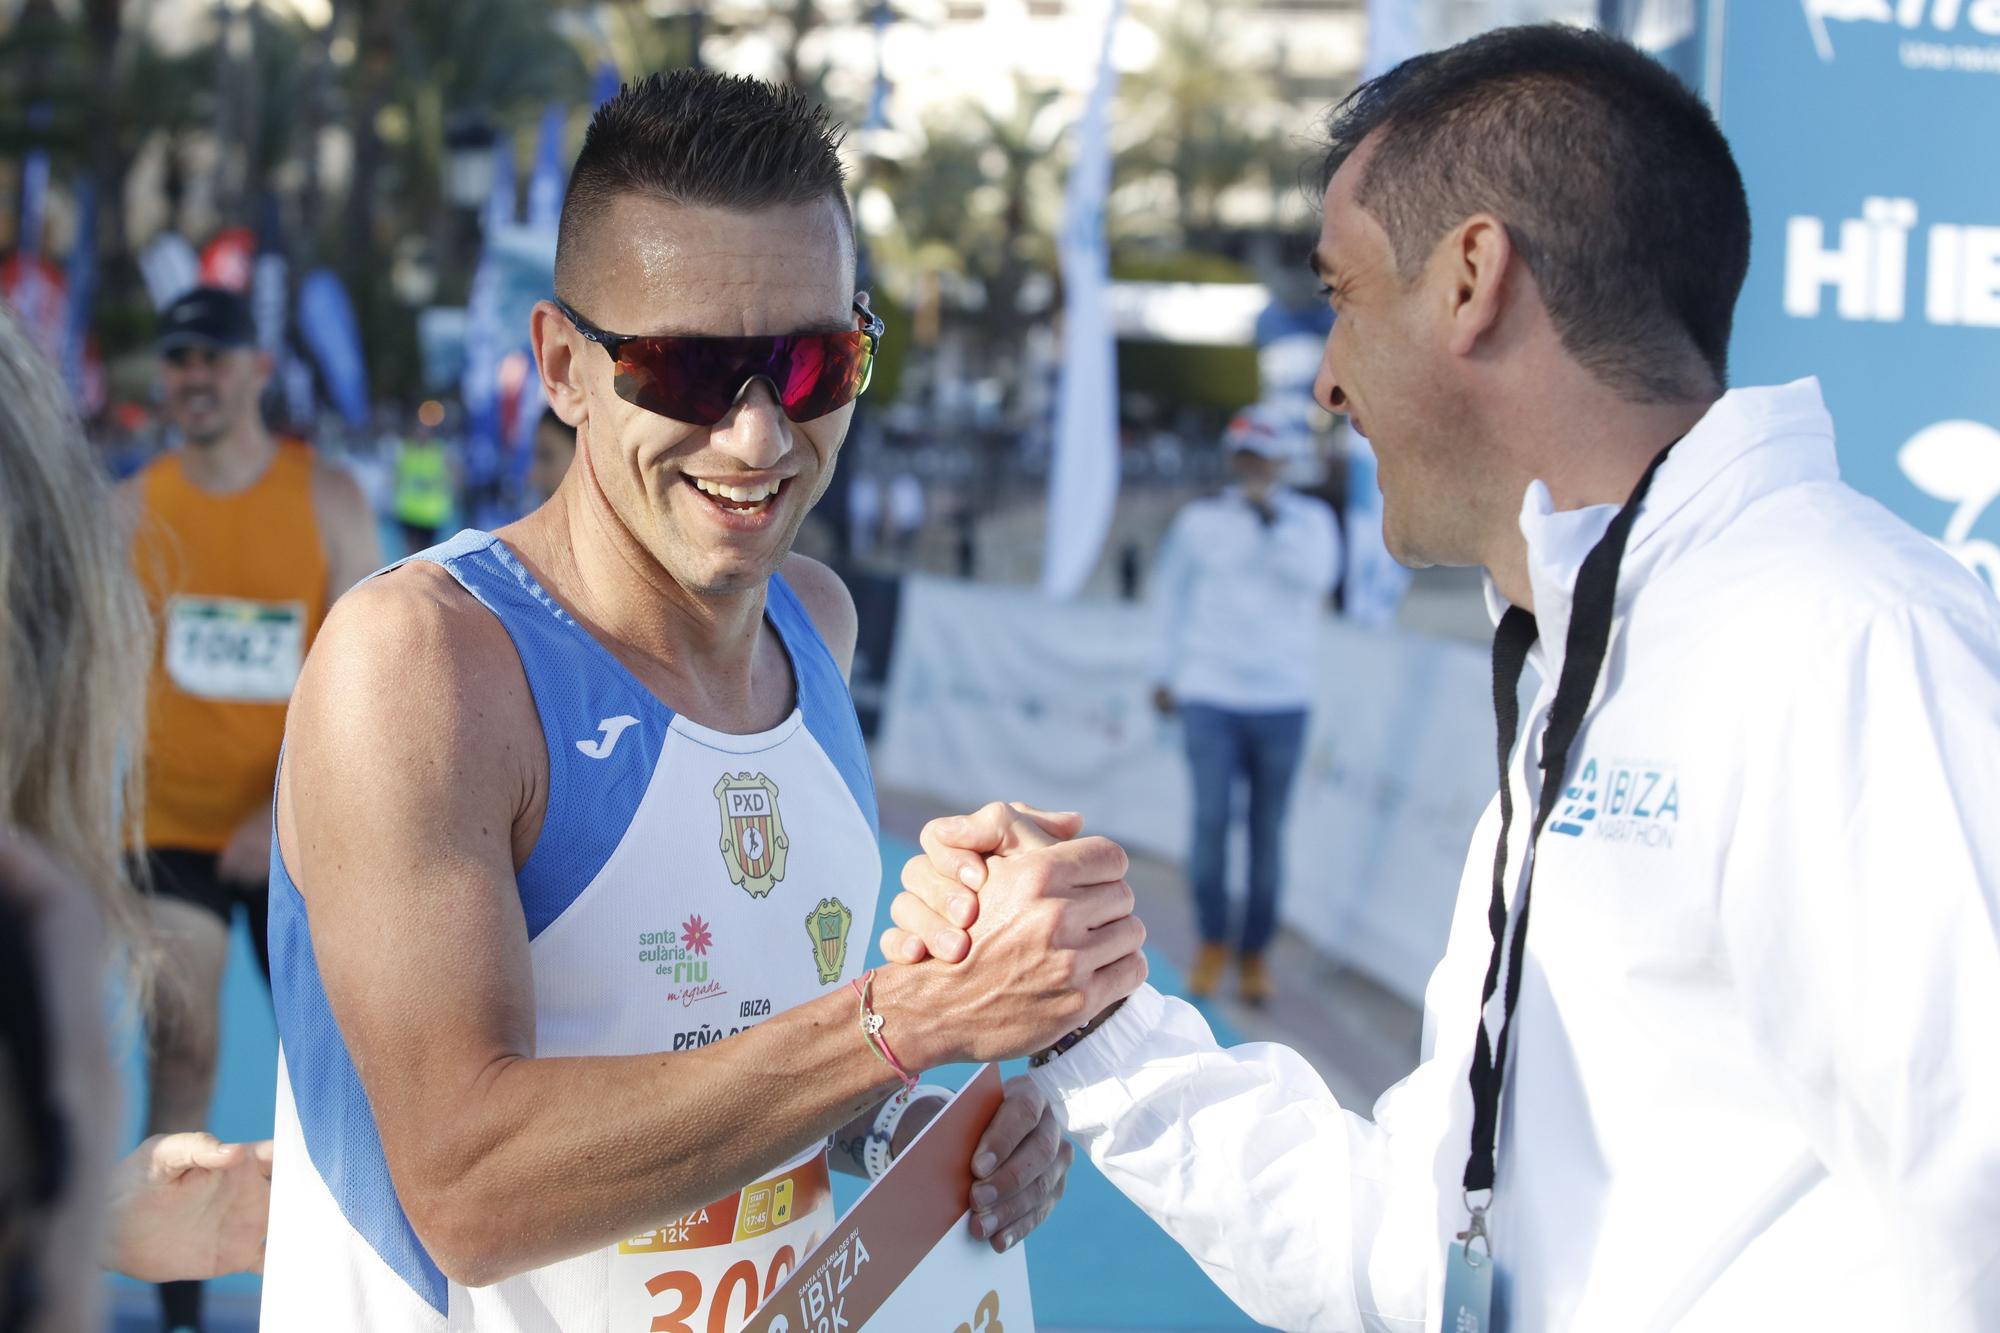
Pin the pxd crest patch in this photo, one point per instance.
(753, 835)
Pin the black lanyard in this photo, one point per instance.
(1583, 659)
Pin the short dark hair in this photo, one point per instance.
(703, 138)
(1613, 179)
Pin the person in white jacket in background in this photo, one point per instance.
(1737, 1068)
(1238, 589)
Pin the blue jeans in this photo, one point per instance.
(1263, 749)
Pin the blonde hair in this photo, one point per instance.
(75, 640)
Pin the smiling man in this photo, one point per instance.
(577, 847)
(1749, 1017)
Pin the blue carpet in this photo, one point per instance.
(1098, 1263)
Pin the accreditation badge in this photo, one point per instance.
(235, 650)
(707, 1272)
(1468, 1290)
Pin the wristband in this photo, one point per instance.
(877, 1155)
(1067, 1042)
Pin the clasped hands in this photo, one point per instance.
(1041, 921)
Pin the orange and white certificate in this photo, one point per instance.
(905, 1258)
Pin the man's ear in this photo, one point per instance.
(555, 341)
(1476, 255)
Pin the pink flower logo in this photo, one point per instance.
(695, 935)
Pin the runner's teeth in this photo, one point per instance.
(738, 494)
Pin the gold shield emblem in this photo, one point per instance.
(828, 924)
(753, 836)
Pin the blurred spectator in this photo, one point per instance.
(555, 450)
(73, 642)
(906, 513)
(241, 541)
(424, 486)
(1239, 586)
(864, 513)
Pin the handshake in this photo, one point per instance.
(1013, 931)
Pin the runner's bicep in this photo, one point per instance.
(401, 788)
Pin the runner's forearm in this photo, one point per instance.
(550, 1158)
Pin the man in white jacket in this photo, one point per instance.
(1753, 1079)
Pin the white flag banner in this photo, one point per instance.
(171, 268)
(1083, 471)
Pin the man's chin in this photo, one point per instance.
(200, 433)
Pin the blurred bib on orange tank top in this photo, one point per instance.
(238, 587)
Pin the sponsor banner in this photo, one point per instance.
(1398, 763)
(1876, 263)
(905, 1258)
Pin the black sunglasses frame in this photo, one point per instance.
(871, 328)
(611, 342)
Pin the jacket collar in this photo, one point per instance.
(1750, 443)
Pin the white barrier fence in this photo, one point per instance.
(996, 693)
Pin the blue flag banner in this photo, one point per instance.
(82, 288)
(551, 174)
(330, 331)
(1875, 210)
(485, 328)
(34, 196)
(606, 85)
(269, 280)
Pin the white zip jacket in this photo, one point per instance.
(1755, 1080)
(1237, 603)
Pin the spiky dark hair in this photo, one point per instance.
(704, 138)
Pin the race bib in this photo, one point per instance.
(236, 650)
(708, 1272)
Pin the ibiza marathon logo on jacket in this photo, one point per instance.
(1635, 801)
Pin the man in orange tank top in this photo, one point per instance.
(242, 541)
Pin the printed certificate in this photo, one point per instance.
(905, 1258)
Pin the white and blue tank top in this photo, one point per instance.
(686, 884)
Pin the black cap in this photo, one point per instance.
(207, 317)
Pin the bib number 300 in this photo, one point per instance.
(735, 1298)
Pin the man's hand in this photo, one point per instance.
(185, 1206)
(247, 857)
(1020, 1167)
(1054, 944)
(940, 901)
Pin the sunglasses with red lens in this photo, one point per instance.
(697, 379)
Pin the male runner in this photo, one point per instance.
(242, 542)
(576, 835)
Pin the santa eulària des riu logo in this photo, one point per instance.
(753, 836)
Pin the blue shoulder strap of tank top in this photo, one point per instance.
(823, 696)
